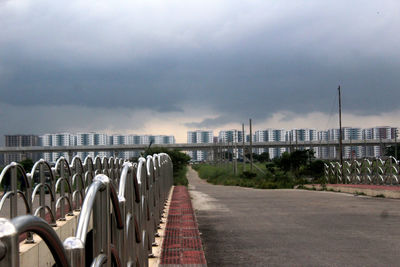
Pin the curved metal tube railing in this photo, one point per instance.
(11, 230)
(377, 171)
(125, 201)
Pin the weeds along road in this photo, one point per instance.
(253, 227)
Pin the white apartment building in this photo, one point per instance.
(98, 139)
(230, 136)
(58, 139)
(349, 134)
(302, 135)
(271, 135)
(92, 139)
(377, 133)
(352, 134)
(322, 152)
(199, 137)
(119, 140)
(134, 139)
(46, 140)
(164, 139)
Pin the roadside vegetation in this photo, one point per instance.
(179, 159)
(291, 169)
(27, 164)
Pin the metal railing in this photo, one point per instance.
(125, 201)
(376, 171)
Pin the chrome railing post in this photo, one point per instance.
(75, 249)
(9, 247)
(143, 215)
(97, 200)
(101, 220)
(14, 197)
(124, 242)
(140, 257)
(42, 200)
(156, 186)
(152, 228)
(62, 193)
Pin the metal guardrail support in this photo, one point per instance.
(11, 230)
(125, 201)
(378, 171)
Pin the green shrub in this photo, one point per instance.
(248, 175)
(224, 176)
(179, 161)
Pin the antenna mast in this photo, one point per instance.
(340, 132)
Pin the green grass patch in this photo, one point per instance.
(224, 175)
(180, 176)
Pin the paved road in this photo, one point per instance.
(251, 227)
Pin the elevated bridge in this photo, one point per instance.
(204, 146)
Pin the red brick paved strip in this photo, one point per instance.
(182, 244)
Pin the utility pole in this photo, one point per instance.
(351, 146)
(234, 154)
(251, 147)
(243, 148)
(395, 143)
(340, 134)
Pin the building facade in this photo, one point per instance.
(200, 137)
(271, 135)
(99, 139)
(378, 133)
(20, 141)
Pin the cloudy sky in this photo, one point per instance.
(167, 66)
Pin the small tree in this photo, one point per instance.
(27, 164)
(391, 150)
(179, 161)
(263, 157)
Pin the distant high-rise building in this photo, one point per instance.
(322, 152)
(377, 133)
(199, 137)
(271, 135)
(352, 134)
(302, 135)
(349, 134)
(228, 136)
(21, 141)
(57, 139)
(46, 140)
(233, 137)
(92, 139)
(140, 140)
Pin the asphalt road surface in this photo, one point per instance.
(252, 227)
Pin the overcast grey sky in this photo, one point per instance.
(163, 67)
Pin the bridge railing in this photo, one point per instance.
(125, 201)
(377, 171)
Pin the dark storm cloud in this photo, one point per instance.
(240, 60)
